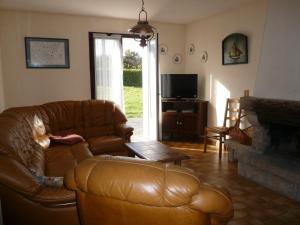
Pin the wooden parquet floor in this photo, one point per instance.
(253, 204)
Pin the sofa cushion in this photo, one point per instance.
(60, 158)
(98, 118)
(105, 144)
(62, 116)
(98, 131)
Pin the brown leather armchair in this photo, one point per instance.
(127, 191)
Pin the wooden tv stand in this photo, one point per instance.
(183, 119)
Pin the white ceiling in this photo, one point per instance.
(172, 11)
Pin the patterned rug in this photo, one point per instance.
(253, 204)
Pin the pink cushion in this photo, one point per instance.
(70, 139)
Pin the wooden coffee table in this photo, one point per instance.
(155, 151)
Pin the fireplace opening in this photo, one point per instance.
(284, 140)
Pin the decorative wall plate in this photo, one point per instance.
(177, 59)
(163, 49)
(191, 49)
(204, 56)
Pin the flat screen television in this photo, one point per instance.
(179, 85)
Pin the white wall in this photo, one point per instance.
(173, 36)
(217, 82)
(279, 69)
(35, 86)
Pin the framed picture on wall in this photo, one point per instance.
(235, 49)
(47, 52)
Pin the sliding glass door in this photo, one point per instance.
(107, 78)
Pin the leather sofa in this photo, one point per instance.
(26, 157)
(127, 191)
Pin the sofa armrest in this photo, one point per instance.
(214, 201)
(55, 197)
(17, 177)
(124, 131)
(69, 180)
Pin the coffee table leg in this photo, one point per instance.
(177, 162)
(131, 153)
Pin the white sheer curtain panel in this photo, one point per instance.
(150, 91)
(109, 68)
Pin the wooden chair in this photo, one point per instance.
(242, 131)
(231, 117)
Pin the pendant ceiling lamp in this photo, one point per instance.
(143, 29)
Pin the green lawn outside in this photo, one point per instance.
(133, 101)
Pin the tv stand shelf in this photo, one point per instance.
(183, 119)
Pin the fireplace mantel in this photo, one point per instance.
(285, 112)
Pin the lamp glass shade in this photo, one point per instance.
(142, 28)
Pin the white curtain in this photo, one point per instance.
(109, 68)
(150, 91)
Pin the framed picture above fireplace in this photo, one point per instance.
(47, 53)
(235, 49)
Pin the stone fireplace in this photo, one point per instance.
(273, 159)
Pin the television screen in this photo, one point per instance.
(179, 85)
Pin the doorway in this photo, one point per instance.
(133, 85)
(124, 72)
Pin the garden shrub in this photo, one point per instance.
(132, 77)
